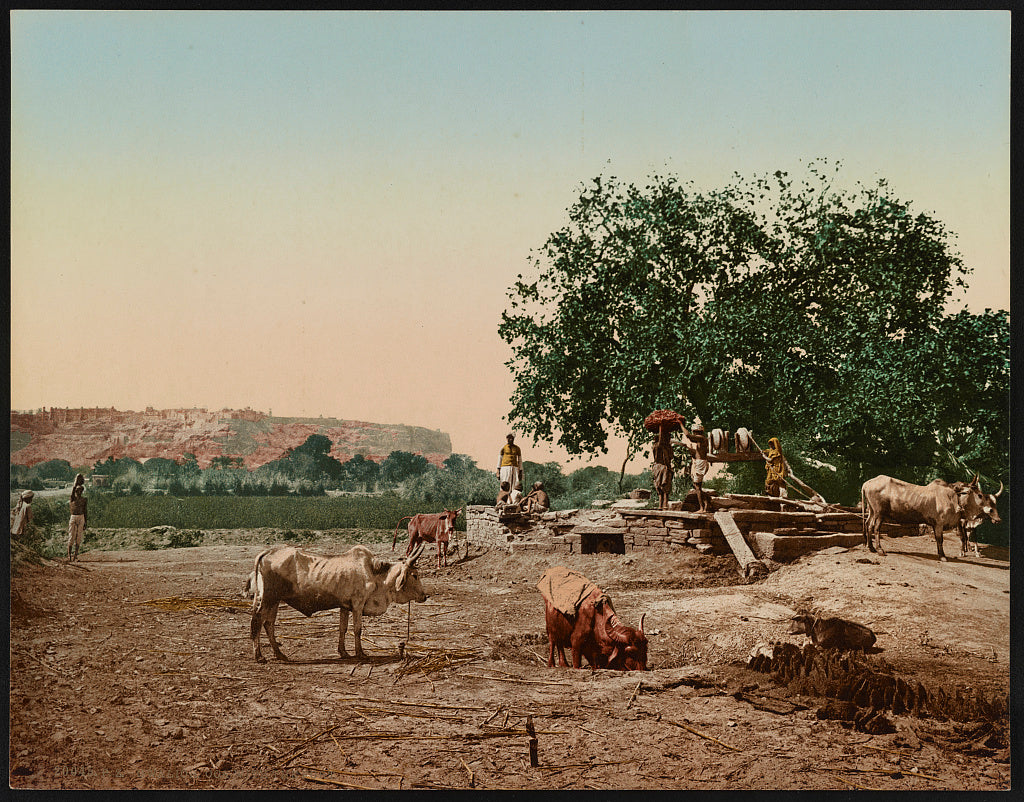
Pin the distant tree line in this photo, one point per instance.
(310, 470)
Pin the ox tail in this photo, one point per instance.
(397, 527)
(257, 595)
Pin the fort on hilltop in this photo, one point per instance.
(85, 436)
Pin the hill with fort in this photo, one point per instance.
(86, 436)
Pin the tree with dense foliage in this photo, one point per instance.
(547, 473)
(59, 469)
(116, 467)
(360, 473)
(160, 467)
(401, 465)
(458, 483)
(771, 304)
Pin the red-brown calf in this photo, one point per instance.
(429, 528)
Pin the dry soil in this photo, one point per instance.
(112, 688)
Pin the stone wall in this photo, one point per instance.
(554, 531)
(628, 526)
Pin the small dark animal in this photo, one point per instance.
(833, 633)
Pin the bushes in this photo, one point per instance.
(184, 539)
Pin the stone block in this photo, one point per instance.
(829, 520)
(773, 519)
(596, 529)
(666, 515)
(783, 548)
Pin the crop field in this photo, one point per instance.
(238, 512)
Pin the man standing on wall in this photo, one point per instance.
(510, 463)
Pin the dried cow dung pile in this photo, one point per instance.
(869, 684)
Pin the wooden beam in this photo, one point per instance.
(734, 537)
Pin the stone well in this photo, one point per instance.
(629, 526)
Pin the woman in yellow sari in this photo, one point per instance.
(775, 465)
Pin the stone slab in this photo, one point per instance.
(773, 518)
(597, 529)
(783, 548)
(678, 515)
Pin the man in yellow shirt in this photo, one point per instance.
(510, 463)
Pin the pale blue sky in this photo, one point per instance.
(314, 212)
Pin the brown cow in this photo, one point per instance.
(355, 581)
(593, 632)
(428, 528)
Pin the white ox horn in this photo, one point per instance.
(1000, 490)
(415, 553)
(642, 616)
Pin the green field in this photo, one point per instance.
(239, 512)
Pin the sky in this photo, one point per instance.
(321, 213)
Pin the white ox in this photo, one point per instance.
(976, 507)
(886, 499)
(939, 505)
(355, 581)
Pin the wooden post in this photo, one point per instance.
(534, 761)
(734, 537)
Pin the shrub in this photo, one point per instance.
(184, 539)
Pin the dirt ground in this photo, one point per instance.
(108, 691)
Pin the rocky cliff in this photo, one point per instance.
(86, 436)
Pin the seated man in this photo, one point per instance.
(537, 500)
(502, 496)
(516, 493)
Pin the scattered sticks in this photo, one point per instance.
(702, 735)
(179, 603)
(518, 681)
(853, 784)
(339, 783)
(288, 756)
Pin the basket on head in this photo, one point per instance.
(661, 418)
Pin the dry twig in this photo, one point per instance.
(306, 743)
(339, 783)
(853, 784)
(518, 681)
(636, 690)
(703, 735)
(472, 778)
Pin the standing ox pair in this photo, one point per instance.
(939, 504)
